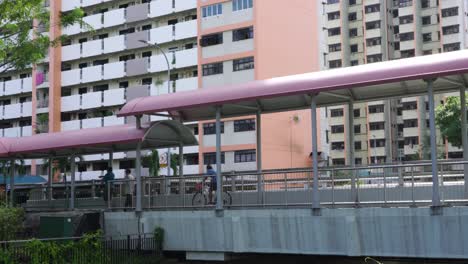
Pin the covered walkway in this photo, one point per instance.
(431, 74)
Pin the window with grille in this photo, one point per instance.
(447, 12)
(334, 47)
(245, 156)
(336, 112)
(242, 34)
(377, 143)
(211, 40)
(212, 69)
(376, 125)
(337, 145)
(210, 128)
(337, 129)
(451, 29)
(373, 109)
(210, 158)
(212, 10)
(244, 125)
(241, 4)
(243, 64)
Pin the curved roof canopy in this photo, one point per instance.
(376, 81)
(167, 133)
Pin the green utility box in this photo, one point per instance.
(56, 226)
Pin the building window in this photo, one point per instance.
(334, 31)
(212, 69)
(212, 10)
(211, 40)
(357, 112)
(352, 16)
(353, 32)
(411, 140)
(334, 64)
(337, 145)
(244, 125)
(210, 158)
(451, 47)
(406, 36)
(354, 62)
(210, 128)
(406, 19)
(377, 143)
(245, 156)
(425, 3)
(373, 25)
(374, 58)
(376, 126)
(334, 15)
(241, 4)
(358, 161)
(243, 64)
(410, 123)
(426, 20)
(427, 52)
(453, 11)
(337, 129)
(374, 41)
(410, 106)
(407, 53)
(336, 112)
(191, 159)
(427, 37)
(378, 159)
(374, 109)
(333, 2)
(354, 48)
(405, 3)
(451, 29)
(357, 145)
(357, 129)
(242, 34)
(455, 155)
(147, 81)
(334, 47)
(372, 8)
(338, 162)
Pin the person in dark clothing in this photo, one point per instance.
(213, 183)
(109, 176)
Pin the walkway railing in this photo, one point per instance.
(378, 185)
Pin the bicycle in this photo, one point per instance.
(200, 198)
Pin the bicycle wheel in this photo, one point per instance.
(199, 199)
(227, 199)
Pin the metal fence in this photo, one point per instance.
(125, 249)
(380, 185)
(376, 185)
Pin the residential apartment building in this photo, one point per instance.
(368, 31)
(209, 43)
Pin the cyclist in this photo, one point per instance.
(212, 174)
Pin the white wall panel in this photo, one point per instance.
(13, 87)
(161, 34)
(12, 111)
(71, 52)
(114, 70)
(185, 58)
(70, 103)
(186, 29)
(68, 5)
(160, 8)
(92, 74)
(27, 85)
(182, 5)
(71, 125)
(92, 48)
(95, 21)
(114, 44)
(187, 84)
(26, 109)
(114, 97)
(89, 2)
(71, 30)
(26, 131)
(71, 77)
(12, 132)
(113, 121)
(92, 122)
(114, 17)
(91, 100)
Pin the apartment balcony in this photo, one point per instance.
(452, 38)
(407, 45)
(16, 86)
(163, 34)
(332, 7)
(337, 154)
(373, 33)
(411, 149)
(410, 114)
(378, 151)
(92, 123)
(411, 132)
(376, 49)
(93, 100)
(230, 47)
(12, 132)
(405, 28)
(94, 21)
(448, 3)
(70, 5)
(372, 16)
(178, 59)
(376, 117)
(71, 77)
(92, 74)
(451, 148)
(181, 85)
(186, 30)
(405, 11)
(92, 48)
(13, 111)
(71, 125)
(377, 134)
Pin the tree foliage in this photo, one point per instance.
(21, 44)
(448, 119)
(151, 161)
(11, 222)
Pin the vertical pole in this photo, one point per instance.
(181, 170)
(259, 156)
(350, 149)
(464, 137)
(12, 182)
(315, 189)
(435, 179)
(72, 185)
(219, 192)
(138, 206)
(49, 183)
(111, 159)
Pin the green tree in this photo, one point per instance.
(62, 164)
(19, 47)
(11, 222)
(448, 119)
(151, 161)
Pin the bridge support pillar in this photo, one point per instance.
(315, 186)
(49, 182)
(464, 137)
(12, 182)
(433, 138)
(138, 206)
(350, 161)
(259, 157)
(72, 182)
(219, 185)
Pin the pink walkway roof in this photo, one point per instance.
(376, 81)
(97, 140)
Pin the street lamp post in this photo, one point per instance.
(168, 91)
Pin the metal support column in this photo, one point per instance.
(138, 205)
(12, 182)
(219, 192)
(259, 157)
(49, 183)
(181, 167)
(435, 178)
(464, 137)
(315, 188)
(350, 149)
(72, 185)
(111, 159)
